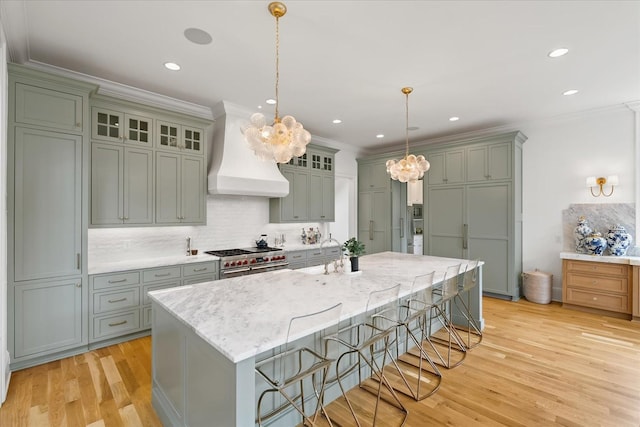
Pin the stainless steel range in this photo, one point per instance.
(240, 262)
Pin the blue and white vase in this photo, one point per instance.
(618, 240)
(581, 232)
(595, 244)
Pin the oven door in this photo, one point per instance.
(235, 272)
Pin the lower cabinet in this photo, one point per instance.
(119, 303)
(597, 285)
(48, 317)
(313, 256)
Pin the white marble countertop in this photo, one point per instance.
(244, 316)
(632, 260)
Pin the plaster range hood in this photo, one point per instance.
(234, 168)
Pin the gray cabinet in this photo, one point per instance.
(47, 216)
(121, 185)
(174, 136)
(311, 188)
(120, 126)
(481, 217)
(312, 256)
(180, 189)
(447, 167)
(374, 205)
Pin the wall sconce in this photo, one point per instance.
(592, 182)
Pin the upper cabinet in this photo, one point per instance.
(373, 176)
(147, 166)
(489, 162)
(447, 167)
(48, 108)
(311, 195)
(118, 126)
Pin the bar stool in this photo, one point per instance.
(469, 282)
(442, 296)
(297, 367)
(416, 369)
(369, 341)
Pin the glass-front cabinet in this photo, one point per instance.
(118, 126)
(179, 137)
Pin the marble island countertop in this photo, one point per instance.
(244, 316)
(632, 260)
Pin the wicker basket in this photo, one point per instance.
(537, 286)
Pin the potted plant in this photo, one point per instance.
(354, 249)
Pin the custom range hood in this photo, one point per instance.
(235, 169)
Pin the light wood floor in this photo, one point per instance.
(539, 365)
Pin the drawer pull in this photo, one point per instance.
(118, 323)
(162, 275)
(117, 281)
(111, 301)
(196, 270)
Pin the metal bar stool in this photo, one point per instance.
(442, 296)
(469, 281)
(417, 373)
(369, 341)
(297, 367)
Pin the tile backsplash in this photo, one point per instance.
(601, 217)
(232, 222)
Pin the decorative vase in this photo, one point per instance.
(354, 263)
(595, 244)
(618, 240)
(581, 232)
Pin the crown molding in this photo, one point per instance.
(15, 29)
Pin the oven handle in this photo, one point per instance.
(262, 267)
(237, 270)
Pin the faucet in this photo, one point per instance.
(335, 261)
(188, 246)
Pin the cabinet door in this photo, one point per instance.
(374, 220)
(499, 161)
(49, 108)
(477, 164)
(107, 170)
(328, 197)
(107, 125)
(446, 222)
(321, 197)
(192, 139)
(300, 193)
(488, 213)
(47, 316)
(193, 192)
(167, 188)
(168, 134)
(436, 172)
(47, 204)
(138, 130)
(373, 176)
(447, 167)
(138, 186)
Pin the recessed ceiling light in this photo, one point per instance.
(570, 92)
(336, 121)
(197, 36)
(270, 101)
(558, 52)
(379, 135)
(454, 119)
(171, 66)
(259, 107)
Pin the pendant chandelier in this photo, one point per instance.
(411, 168)
(285, 137)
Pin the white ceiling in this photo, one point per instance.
(484, 61)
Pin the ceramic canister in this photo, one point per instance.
(581, 232)
(618, 240)
(595, 244)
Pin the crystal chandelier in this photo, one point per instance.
(411, 168)
(286, 137)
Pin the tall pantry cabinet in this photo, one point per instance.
(473, 201)
(48, 139)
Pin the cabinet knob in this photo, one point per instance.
(78, 285)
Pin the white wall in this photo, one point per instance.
(4, 354)
(557, 158)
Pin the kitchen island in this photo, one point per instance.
(207, 337)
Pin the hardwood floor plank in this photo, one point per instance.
(538, 365)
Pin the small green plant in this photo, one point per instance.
(353, 247)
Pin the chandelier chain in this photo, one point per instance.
(277, 117)
(406, 128)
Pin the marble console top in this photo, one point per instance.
(632, 260)
(244, 316)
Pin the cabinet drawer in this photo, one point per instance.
(333, 252)
(148, 288)
(599, 283)
(611, 302)
(197, 269)
(199, 279)
(598, 268)
(117, 324)
(161, 274)
(111, 280)
(297, 256)
(119, 300)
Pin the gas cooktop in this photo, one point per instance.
(244, 251)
